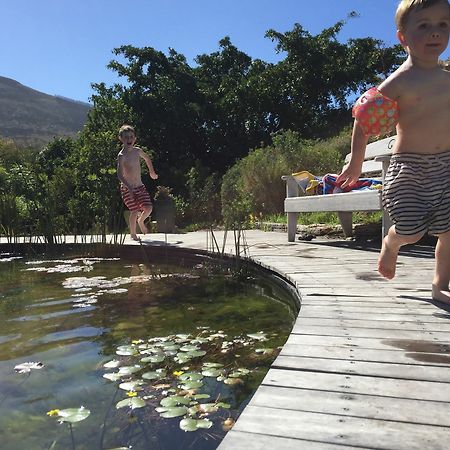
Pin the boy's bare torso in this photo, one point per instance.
(423, 98)
(131, 166)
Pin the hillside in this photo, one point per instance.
(32, 117)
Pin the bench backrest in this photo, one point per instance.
(382, 147)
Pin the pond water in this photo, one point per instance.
(104, 353)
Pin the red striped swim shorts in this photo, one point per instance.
(139, 201)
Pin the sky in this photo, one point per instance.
(60, 47)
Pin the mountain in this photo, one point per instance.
(31, 117)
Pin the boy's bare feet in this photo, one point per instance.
(441, 295)
(142, 226)
(387, 260)
(135, 237)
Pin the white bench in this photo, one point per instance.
(376, 162)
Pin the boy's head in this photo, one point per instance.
(127, 135)
(423, 28)
(405, 7)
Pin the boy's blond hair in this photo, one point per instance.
(406, 6)
(126, 128)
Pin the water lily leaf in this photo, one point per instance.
(131, 385)
(113, 376)
(196, 353)
(204, 423)
(200, 396)
(189, 425)
(174, 400)
(192, 385)
(191, 376)
(212, 365)
(133, 403)
(112, 364)
(128, 370)
(189, 348)
(208, 407)
(73, 415)
(260, 336)
(153, 359)
(27, 366)
(176, 411)
(126, 350)
(211, 373)
(264, 351)
(233, 381)
(154, 375)
(223, 405)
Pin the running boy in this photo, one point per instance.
(417, 186)
(134, 193)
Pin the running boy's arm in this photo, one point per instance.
(149, 163)
(352, 170)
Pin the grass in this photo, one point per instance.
(327, 218)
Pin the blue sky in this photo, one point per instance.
(62, 46)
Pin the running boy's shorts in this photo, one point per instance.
(416, 193)
(140, 200)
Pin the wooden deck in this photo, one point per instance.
(367, 364)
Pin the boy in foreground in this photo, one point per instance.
(415, 98)
(133, 191)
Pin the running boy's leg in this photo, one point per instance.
(392, 242)
(441, 280)
(133, 219)
(143, 216)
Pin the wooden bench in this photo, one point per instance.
(376, 162)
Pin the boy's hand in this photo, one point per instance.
(349, 175)
(153, 175)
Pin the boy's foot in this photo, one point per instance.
(142, 226)
(387, 261)
(135, 237)
(441, 295)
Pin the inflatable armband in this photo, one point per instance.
(375, 113)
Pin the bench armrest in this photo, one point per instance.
(293, 189)
(385, 159)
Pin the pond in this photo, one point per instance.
(106, 353)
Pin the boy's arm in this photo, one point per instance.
(149, 163)
(351, 171)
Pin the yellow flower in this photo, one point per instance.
(53, 412)
(177, 373)
(132, 393)
(138, 341)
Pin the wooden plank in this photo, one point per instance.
(236, 440)
(385, 356)
(443, 327)
(339, 429)
(378, 370)
(356, 405)
(393, 333)
(357, 384)
(396, 345)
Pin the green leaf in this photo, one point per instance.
(73, 415)
(133, 403)
(176, 411)
(174, 400)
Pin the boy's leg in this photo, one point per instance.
(133, 219)
(441, 280)
(144, 214)
(390, 247)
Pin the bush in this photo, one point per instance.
(256, 179)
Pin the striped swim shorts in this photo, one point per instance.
(416, 193)
(139, 201)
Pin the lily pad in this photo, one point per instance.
(211, 373)
(73, 415)
(133, 403)
(126, 350)
(176, 411)
(131, 385)
(175, 400)
(112, 364)
(192, 385)
(128, 370)
(155, 375)
(153, 359)
(194, 424)
(191, 376)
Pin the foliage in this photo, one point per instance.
(256, 179)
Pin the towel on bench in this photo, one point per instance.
(314, 185)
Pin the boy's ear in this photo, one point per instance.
(401, 38)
